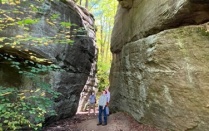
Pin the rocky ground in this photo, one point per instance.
(84, 122)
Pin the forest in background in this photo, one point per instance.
(104, 13)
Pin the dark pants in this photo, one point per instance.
(101, 110)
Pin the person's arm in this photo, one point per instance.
(95, 99)
(106, 101)
(89, 100)
(108, 96)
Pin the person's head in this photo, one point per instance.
(92, 93)
(104, 92)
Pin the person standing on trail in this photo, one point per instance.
(108, 100)
(102, 108)
(92, 102)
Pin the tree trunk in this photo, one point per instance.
(108, 42)
(87, 4)
(101, 40)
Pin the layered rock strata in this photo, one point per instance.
(159, 71)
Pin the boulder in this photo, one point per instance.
(50, 32)
(159, 72)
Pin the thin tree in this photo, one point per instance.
(86, 4)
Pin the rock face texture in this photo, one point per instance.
(159, 72)
(60, 33)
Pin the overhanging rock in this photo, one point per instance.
(60, 33)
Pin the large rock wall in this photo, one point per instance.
(159, 71)
(150, 17)
(77, 59)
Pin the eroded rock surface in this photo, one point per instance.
(77, 57)
(149, 17)
(160, 76)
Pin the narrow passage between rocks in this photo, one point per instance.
(84, 122)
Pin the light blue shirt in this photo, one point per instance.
(92, 99)
(103, 100)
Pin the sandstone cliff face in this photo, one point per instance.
(77, 59)
(159, 72)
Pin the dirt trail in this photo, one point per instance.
(83, 122)
(116, 122)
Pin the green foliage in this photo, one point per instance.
(26, 108)
(24, 20)
(55, 16)
(203, 31)
(104, 12)
(103, 75)
(28, 21)
(22, 109)
(65, 24)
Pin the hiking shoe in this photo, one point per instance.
(99, 124)
(104, 124)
